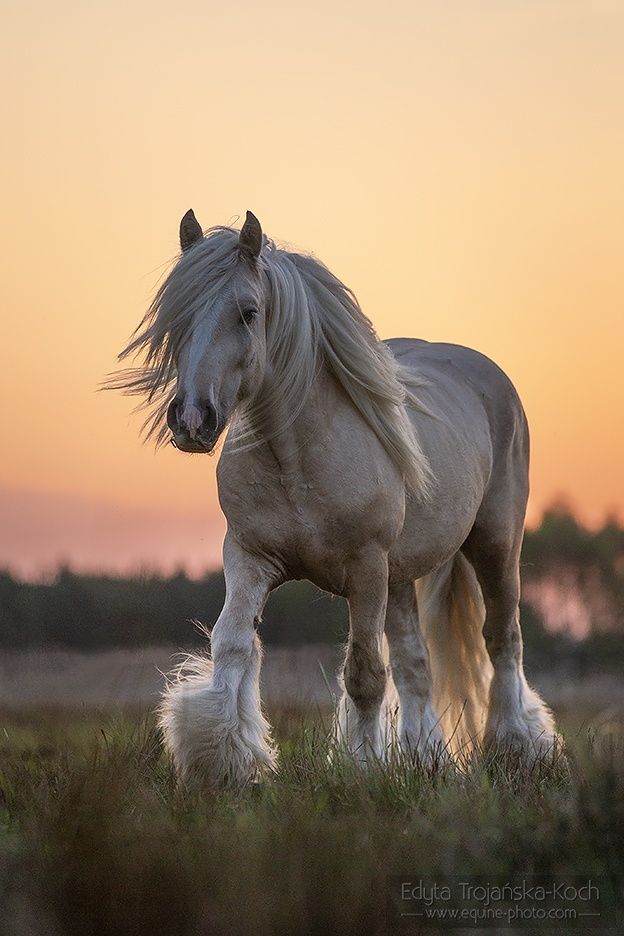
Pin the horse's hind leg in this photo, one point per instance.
(419, 731)
(517, 718)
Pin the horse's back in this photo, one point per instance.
(441, 363)
(483, 385)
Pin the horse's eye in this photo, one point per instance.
(249, 315)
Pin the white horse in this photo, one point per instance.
(394, 474)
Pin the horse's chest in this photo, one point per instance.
(309, 529)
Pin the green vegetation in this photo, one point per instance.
(97, 839)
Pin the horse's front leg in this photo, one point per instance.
(359, 710)
(210, 714)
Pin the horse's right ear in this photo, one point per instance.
(190, 230)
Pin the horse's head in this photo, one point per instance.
(220, 360)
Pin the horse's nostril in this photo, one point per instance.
(209, 422)
(173, 420)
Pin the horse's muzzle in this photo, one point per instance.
(194, 426)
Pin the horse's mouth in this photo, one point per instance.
(196, 446)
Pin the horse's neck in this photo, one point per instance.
(290, 442)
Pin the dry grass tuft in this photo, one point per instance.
(97, 838)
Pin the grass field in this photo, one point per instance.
(96, 837)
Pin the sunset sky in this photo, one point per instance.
(459, 164)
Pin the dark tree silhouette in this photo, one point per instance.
(97, 611)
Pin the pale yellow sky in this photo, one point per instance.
(458, 164)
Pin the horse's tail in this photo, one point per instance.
(452, 614)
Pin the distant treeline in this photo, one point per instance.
(584, 566)
(95, 611)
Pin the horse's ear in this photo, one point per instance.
(190, 230)
(250, 238)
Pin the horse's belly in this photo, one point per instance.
(434, 529)
(428, 540)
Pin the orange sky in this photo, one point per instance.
(459, 164)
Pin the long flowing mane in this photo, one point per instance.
(313, 320)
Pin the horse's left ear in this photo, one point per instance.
(250, 237)
(190, 230)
